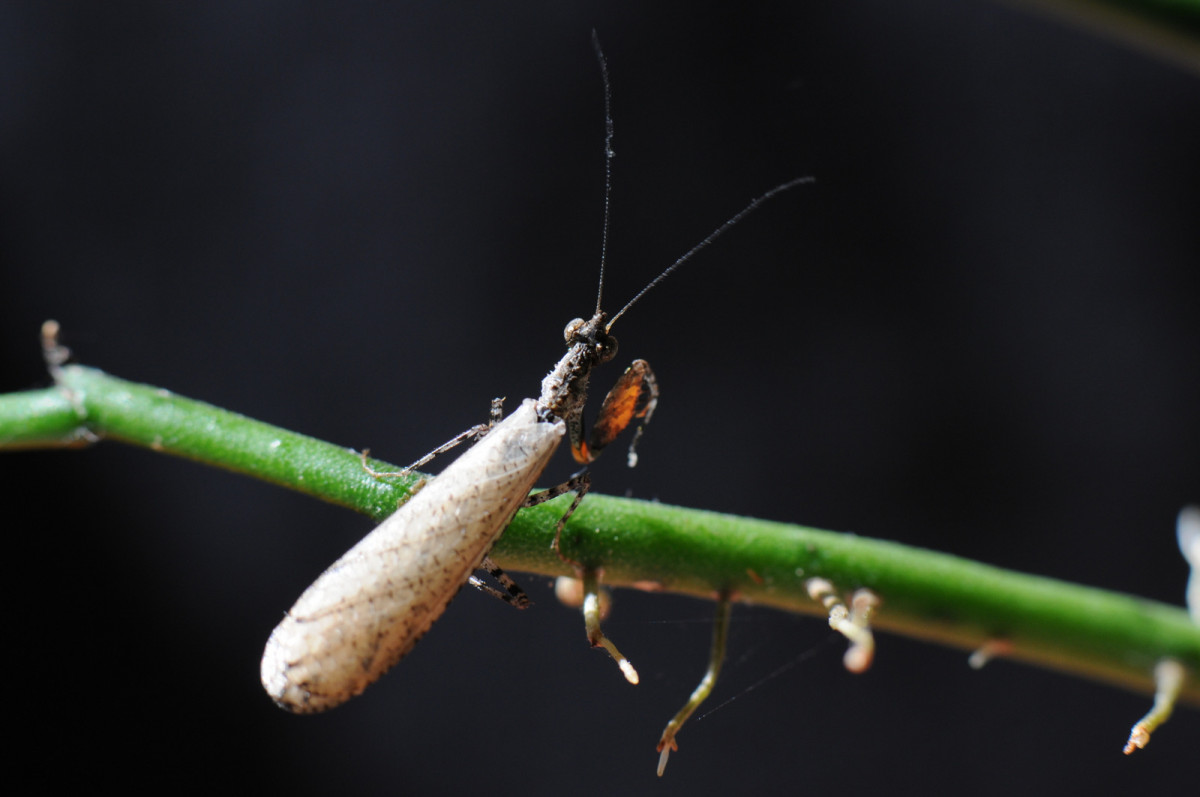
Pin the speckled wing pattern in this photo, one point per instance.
(366, 611)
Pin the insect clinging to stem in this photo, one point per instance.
(365, 612)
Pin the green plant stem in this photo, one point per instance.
(931, 596)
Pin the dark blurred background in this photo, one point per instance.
(977, 332)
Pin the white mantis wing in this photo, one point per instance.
(366, 611)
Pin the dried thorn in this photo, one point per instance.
(852, 623)
(666, 742)
(54, 353)
(988, 651)
(862, 649)
(569, 592)
(821, 590)
(664, 750)
(1187, 529)
(593, 612)
(1168, 679)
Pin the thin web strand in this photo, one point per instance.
(771, 676)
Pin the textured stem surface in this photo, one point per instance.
(932, 596)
